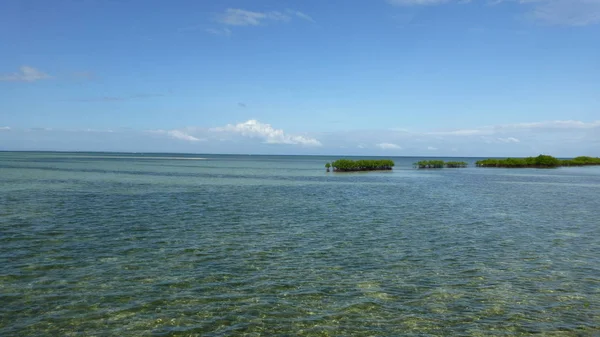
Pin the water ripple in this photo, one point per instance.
(85, 251)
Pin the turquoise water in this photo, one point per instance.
(95, 244)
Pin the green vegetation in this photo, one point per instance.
(580, 161)
(427, 164)
(456, 164)
(544, 161)
(347, 165)
(541, 161)
(430, 164)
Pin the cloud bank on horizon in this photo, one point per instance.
(563, 138)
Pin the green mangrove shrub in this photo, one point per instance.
(456, 164)
(541, 161)
(428, 164)
(423, 164)
(580, 161)
(347, 165)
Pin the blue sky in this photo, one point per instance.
(395, 77)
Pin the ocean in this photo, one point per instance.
(121, 244)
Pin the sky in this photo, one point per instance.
(341, 77)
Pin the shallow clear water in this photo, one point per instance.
(169, 245)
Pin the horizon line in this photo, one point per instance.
(264, 154)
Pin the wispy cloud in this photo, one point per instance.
(270, 135)
(460, 132)
(554, 12)
(504, 128)
(191, 28)
(300, 15)
(557, 124)
(508, 140)
(89, 130)
(566, 12)
(219, 31)
(25, 74)
(182, 135)
(177, 134)
(564, 137)
(242, 17)
(388, 146)
(560, 138)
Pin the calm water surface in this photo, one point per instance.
(98, 244)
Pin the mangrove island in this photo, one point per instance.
(541, 161)
(431, 164)
(347, 165)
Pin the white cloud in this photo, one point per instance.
(85, 130)
(241, 17)
(277, 16)
(554, 12)
(256, 129)
(300, 15)
(567, 124)
(388, 146)
(219, 31)
(509, 140)
(26, 74)
(177, 134)
(557, 125)
(460, 132)
(567, 12)
(559, 138)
